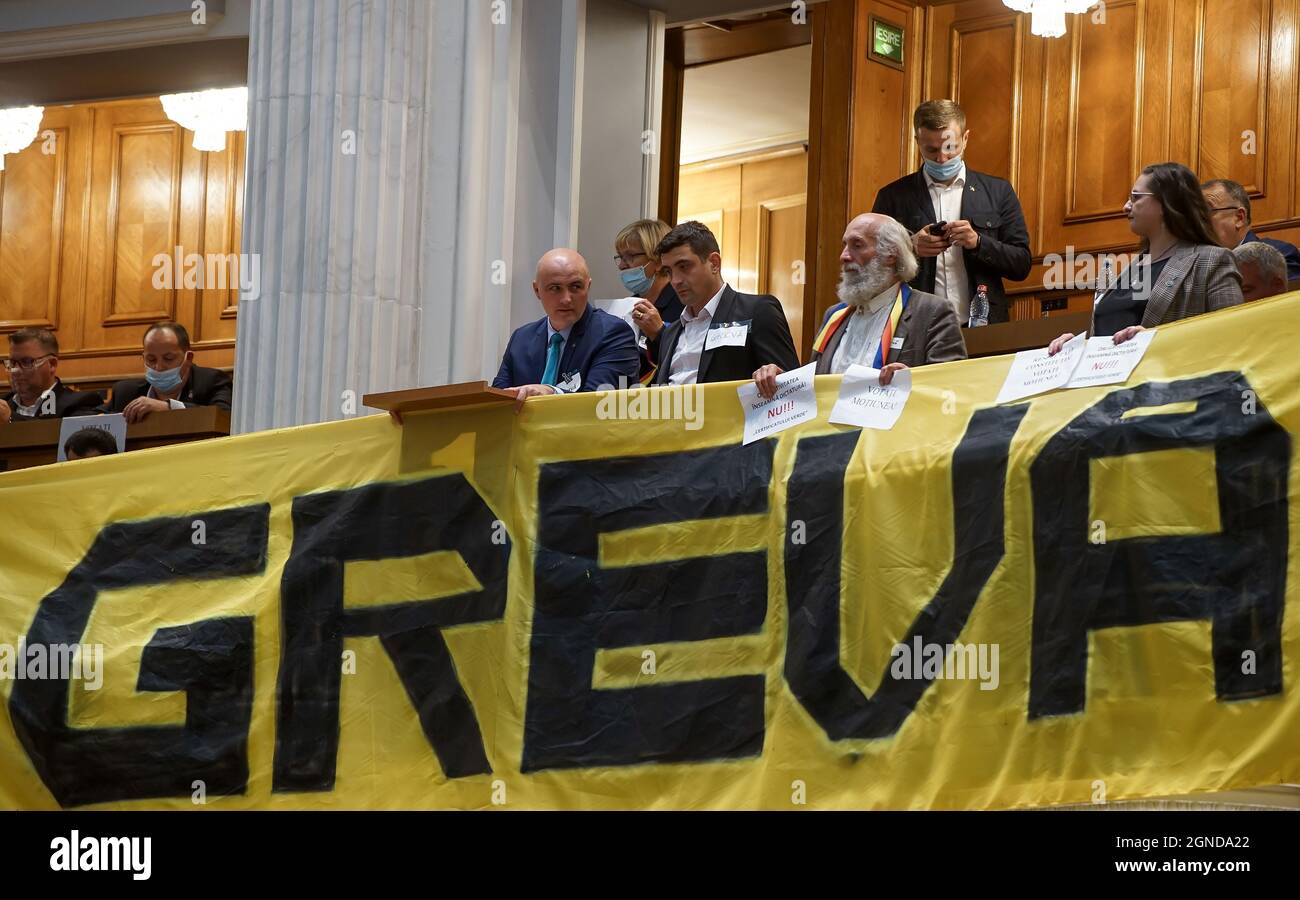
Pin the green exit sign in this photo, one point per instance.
(887, 42)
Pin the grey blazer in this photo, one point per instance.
(1198, 278)
(928, 328)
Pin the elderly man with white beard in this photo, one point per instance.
(880, 322)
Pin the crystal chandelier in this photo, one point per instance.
(209, 114)
(1048, 16)
(18, 127)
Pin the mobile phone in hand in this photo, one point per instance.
(937, 228)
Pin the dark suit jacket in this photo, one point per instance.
(1288, 251)
(600, 349)
(204, 387)
(991, 206)
(67, 402)
(928, 329)
(768, 340)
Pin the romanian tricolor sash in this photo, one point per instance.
(887, 336)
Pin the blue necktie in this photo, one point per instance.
(553, 359)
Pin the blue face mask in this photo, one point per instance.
(942, 171)
(636, 280)
(164, 381)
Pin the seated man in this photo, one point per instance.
(171, 379)
(89, 442)
(722, 334)
(1263, 270)
(575, 346)
(38, 393)
(1231, 217)
(880, 322)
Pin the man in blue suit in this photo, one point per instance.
(575, 346)
(1230, 215)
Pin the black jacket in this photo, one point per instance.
(204, 387)
(768, 340)
(991, 206)
(67, 402)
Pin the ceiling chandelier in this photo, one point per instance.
(18, 127)
(209, 114)
(1048, 16)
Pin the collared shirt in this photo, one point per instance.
(174, 404)
(33, 411)
(950, 266)
(862, 332)
(685, 365)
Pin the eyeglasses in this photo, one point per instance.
(26, 364)
(1224, 208)
(1135, 196)
(627, 262)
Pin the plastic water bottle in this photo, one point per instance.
(979, 307)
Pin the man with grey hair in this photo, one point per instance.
(1263, 270)
(880, 322)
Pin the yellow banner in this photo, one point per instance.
(602, 603)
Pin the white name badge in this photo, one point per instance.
(570, 384)
(732, 334)
(896, 344)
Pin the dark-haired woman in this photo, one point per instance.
(1181, 272)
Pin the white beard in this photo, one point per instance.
(859, 284)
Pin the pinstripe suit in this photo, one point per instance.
(1196, 279)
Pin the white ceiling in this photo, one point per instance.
(746, 104)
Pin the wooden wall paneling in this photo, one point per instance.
(882, 145)
(1103, 126)
(985, 55)
(33, 199)
(711, 195)
(216, 302)
(773, 209)
(830, 120)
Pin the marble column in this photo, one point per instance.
(380, 200)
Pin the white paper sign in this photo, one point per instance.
(623, 309)
(1104, 362)
(795, 401)
(730, 335)
(864, 402)
(113, 423)
(1034, 372)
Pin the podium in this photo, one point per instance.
(26, 444)
(447, 396)
(1026, 334)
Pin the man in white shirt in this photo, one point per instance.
(722, 335)
(33, 364)
(880, 322)
(967, 227)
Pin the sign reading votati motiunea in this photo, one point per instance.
(887, 42)
(608, 602)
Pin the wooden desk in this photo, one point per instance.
(1027, 334)
(469, 393)
(25, 444)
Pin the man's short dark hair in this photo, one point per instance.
(1233, 190)
(936, 115)
(43, 336)
(695, 235)
(88, 439)
(176, 328)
